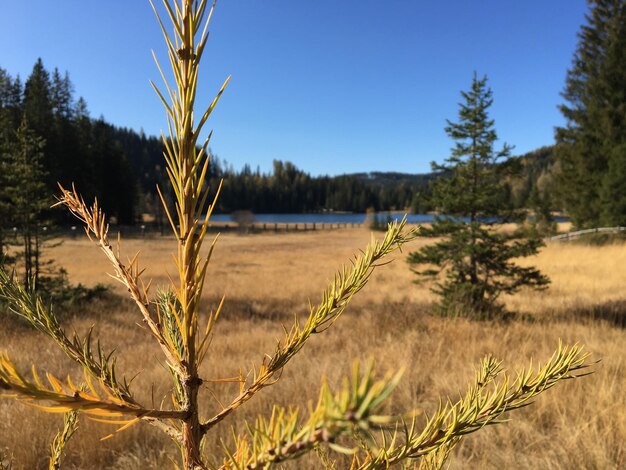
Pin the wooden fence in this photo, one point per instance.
(574, 235)
(135, 231)
(280, 227)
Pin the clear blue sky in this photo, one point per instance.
(335, 86)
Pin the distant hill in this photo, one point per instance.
(537, 175)
(392, 178)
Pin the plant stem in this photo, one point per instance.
(188, 247)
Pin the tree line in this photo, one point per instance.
(75, 148)
(288, 189)
(122, 167)
(583, 174)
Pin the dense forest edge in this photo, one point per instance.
(122, 167)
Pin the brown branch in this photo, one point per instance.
(129, 275)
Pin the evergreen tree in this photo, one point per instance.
(5, 205)
(61, 95)
(65, 145)
(115, 180)
(10, 104)
(591, 148)
(10, 110)
(25, 193)
(542, 221)
(38, 100)
(474, 259)
(85, 171)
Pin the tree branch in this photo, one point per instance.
(335, 299)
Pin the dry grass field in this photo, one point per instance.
(270, 277)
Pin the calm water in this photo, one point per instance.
(323, 218)
(333, 218)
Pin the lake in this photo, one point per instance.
(334, 218)
(325, 218)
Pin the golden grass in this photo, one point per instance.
(267, 278)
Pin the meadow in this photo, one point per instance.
(268, 278)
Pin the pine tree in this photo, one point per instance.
(5, 206)
(613, 192)
(25, 192)
(10, 104)
(38, 100)
(10, 110)
(591, 148)
(474, 259)
(61, 95)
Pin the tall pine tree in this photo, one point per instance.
(591, 148)
(38, 100)
(10, 112)
(473, 262)
(25, 191)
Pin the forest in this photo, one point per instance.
(122, 167)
